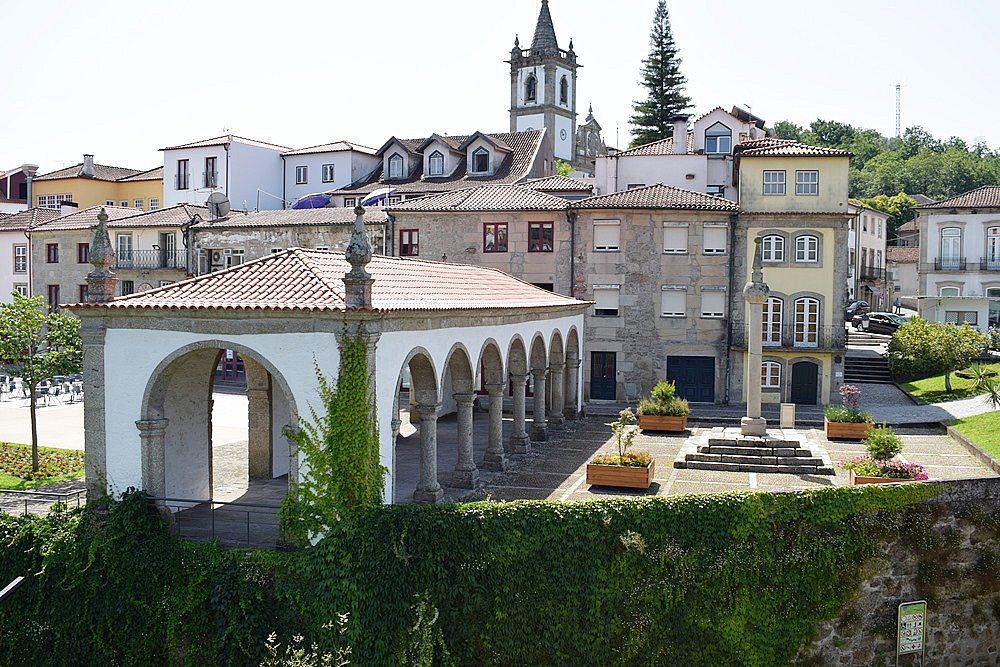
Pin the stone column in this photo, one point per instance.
(556, 378)
(92, 332)
(519, 441)
(466, 476)
(538, 429)
(259, 433)
(495, 459)
(152, 436)
(755, 293)
(572, 388)
(428, 489)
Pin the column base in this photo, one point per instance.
(539, 433)
(753, 426)
(556, 420)
(569, 413)
(430, 497)
(520, 444)
(495, 462)
(465, 479)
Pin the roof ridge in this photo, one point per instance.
(301, 255)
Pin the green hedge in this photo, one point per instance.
(735, 579)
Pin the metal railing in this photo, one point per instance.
(152, 259)
(31, 499)
(793, 336)
(872, 273)
(234, 524)
(949, 264)
(989, 264)
(210, 179)
(181, 181)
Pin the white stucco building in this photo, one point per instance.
(867, 269)
(15, 246)
(317, 169)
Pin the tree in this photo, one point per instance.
(664, 83)
(900, 209)
(786, 129)
(920, 349)
(563, 168)
(37, 346)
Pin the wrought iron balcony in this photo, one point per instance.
(210, 179)
(989, 263)
(949, 264)
(793, 336)
(152, 259)
(181, 181)
(872, 273)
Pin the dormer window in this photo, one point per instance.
(530, 88)
(480, 161)
(718, 140)
(435, 164)
(395, 166)
(563, 91)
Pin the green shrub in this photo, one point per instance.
(677, 407)
(663, 392)
(882, 443)
(920, 349)
(838, 413)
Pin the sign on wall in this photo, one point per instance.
(912, 628)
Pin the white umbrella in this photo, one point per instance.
(377, 196)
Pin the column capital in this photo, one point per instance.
(557, 366)
(519, 377)
(464, 399)
(152, 427)
(539, 372)
(496, 388)
(425, 411)
(573, 363)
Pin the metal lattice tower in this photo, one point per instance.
(898, 86)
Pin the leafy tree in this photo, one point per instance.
(920, 349)
(786, 129)
(662, 78)
(563, 168)
(900, 208)
(37, 346)
(829, 133)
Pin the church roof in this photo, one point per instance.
(485, 198)
(312, 280)
(659, 196)
(545, 32)
(987, 196)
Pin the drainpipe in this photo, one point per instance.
(392, 231)
(225, 147)
(733, 219)
(571, 218)
(284, 177)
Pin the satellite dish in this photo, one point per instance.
(218, 205)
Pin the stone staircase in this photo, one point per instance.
(873, 369)
(734, 452)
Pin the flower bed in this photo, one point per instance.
(16, 460)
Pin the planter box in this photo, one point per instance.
(655, 423)
(847, 430)
(632, 477)
(857, 480)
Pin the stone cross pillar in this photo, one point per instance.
(755, 293)
(152, 436)
(572, 388)
(538, 429)
(357, 281)
(92, 333)
(102, 283)
(428, 488)
(519, 441)
(259, 446)
(556, 377)
(466, 476)
(495, 459)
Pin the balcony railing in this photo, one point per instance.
(872, 273)
(152, 259)
(793, 336)
(181, 181)
(949, 264)
(989, 264)
(210, 179)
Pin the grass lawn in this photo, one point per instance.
(984, 430)
(55, 465)
(931, 390)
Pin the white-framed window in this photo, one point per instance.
(139, 203)
(234, 256)
(635, 186)
(719, 190)
(435, 164)
(154, 203)
(607, 235)
(164, 283)
(673, 301)
(713, 302)
(807, 322)
(328, 173)
(878, 259)
(395, 166)
(880, 229)
(395, 199)
(21, 288)
(301, 175)
(993, 248)
(123, 244)
(480, 160)
(807, 182)
(864, 223)
(951, 248)
(675, 238)
(53, 201)
(770, 375)
(715, 239)
(350, 201)
(772, 248)
(322, 247)
(21, 258)
(771, 324)
(606, 299)
(774, 182)
(961, 317)
(109, 202)
(718, 140)
(806, 248)
(124, 203)
(950, 291)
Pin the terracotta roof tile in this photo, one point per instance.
(658, 196)
(559, 184)
(485, 198)
(30, 219)
(312, 280)
(902, 254)
(293, 218)
(126, 218)
(102, 172)
(908, 226)
(154, 174)
(661, 147)
(332, 147)
(987, 196)
(771, 147)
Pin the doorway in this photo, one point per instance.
(805, 382)
(602, 376)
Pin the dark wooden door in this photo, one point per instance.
(694, 377)
(602, 376)
(230, 368)
(805, 382)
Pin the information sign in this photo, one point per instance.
(912, 629)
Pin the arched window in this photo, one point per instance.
(772, 248)
(807, 322)
(993, 249)
(530, 88)
(807, 248)
(770, 375)
(718, 140)
(395, 166)
(950, 291)
(480, 160)
(563, 91)
(435, 164)
(951, 249)
(772, 321)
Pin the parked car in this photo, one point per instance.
(856, 308)
(884, 323)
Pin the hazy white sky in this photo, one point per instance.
(123, 78)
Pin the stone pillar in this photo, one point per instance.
(556, 378)
(466, 476)
(538, 429)
(519, 441)
(572, 389)
(428, 488)
(152, 436)
(260, 446)
(495, 459)
(92, 332)
(755, 293)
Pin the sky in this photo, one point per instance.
(124, 78)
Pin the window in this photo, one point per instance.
(52, 253)
(409, 242)
(124, 203)
(880, 229)
(480, 160)
(21, 258)
(718, 190)
(124, 244)
(53, 201)
(807, 322)
(301, 175)
(713, 302)
(675, 238)
(951, 249)
(539, 237)
(774, 182)
(950, 291)
(806, 248)
(182, 177)
(139, 203)
(53, 301)
(607, 235)
(84, 293)
(109, 202)
(530, 89)
(772, 248)
(21, 288)
(770, 375)
(435, 164)
(563, 91)
(395, 166)
(806, 182)
(82, 253)
(234, 256)
(970, 317)
(154, 203)
(715, 239)
(211, 179)
(164, 283)
(395, 199)
(771, 325)
(350, 201)
(673, 301)
(126, 287)
(495, 237)
(606, 297)
(718, 140)
(992, 249)
(864, 223)
(633, 186)
(878, 259)
(328, 173)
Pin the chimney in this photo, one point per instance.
(68, 207)
(680, 122)
(88, 165)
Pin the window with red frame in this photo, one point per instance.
(539, 237)
(409, 243)
(495, 237)
(53, 297)
(84, 292)
(82, 253)
(52, 253)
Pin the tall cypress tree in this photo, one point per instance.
(661, 76)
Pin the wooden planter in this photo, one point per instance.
(632, 477)
(656, 423)
(857, 480)
(846, 430)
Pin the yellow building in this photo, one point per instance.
(794, 199)
(88, 184)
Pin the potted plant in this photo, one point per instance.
(663, 410)
(847, 420)
(879, 466)
(629, 469)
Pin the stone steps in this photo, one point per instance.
(759, 467)
(804, 460)
(737, 453)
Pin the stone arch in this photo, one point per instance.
(538, 360)
(557, 379)
(424, 392)
(517, 356)
(491, 362)
(571, 410)
(538, 355)
(459, 366)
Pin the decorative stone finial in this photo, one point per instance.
(517, 42)
(357, 281)
(570, 44)
(102, 281)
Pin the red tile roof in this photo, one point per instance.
(661, 147)
(484, 198)
(154, 174)
(987, 196)
(340, 215)
(30, 219)
(224, 139)
(126, 218)
(312, 280)
(771, 147)
(332, 147)
(658, 196)
(559, 184)
(102, 172)
(908, 226)
(902, 254)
